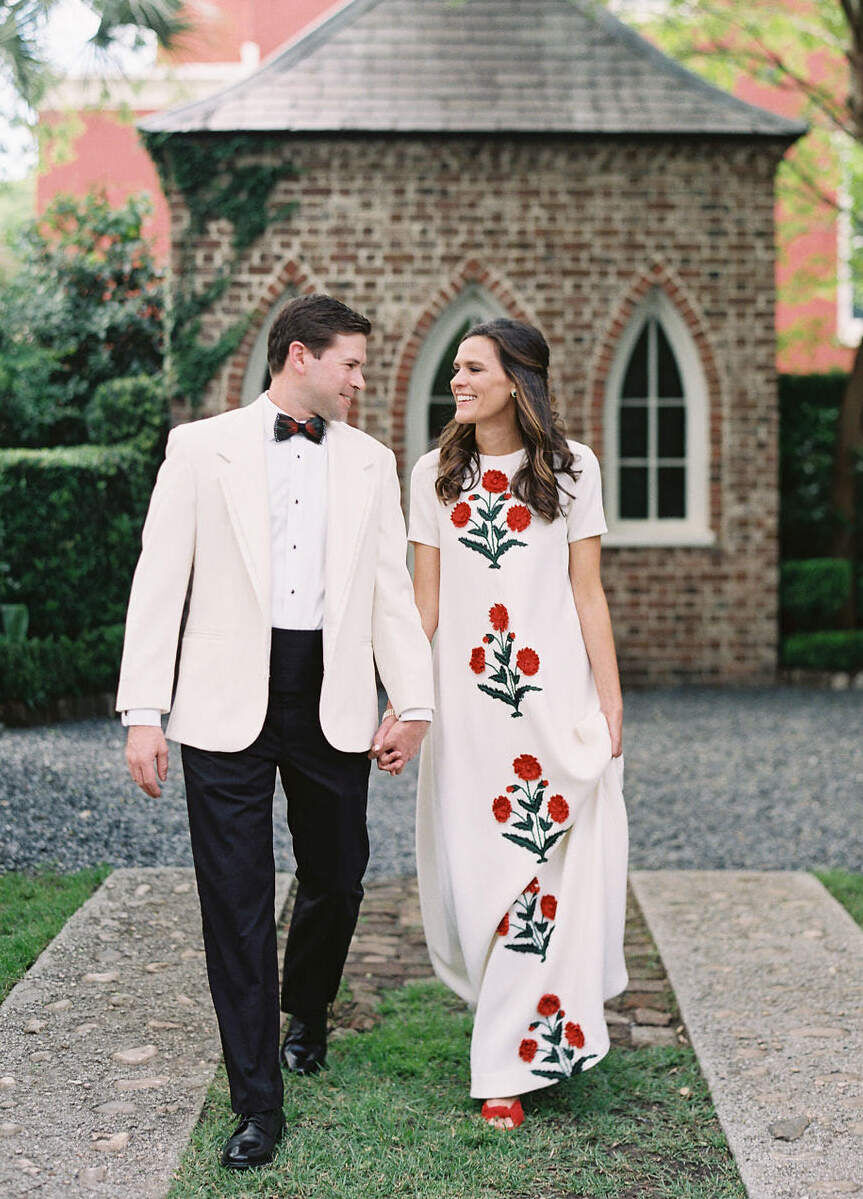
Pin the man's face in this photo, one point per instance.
(333, 380)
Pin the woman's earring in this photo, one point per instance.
(514, 394)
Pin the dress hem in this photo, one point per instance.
(513, 1082)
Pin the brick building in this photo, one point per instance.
(536, 158)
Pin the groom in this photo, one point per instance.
(282, 526)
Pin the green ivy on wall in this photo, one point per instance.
(217, 181)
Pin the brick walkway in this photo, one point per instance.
(389, 949)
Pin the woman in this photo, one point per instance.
(522, 837)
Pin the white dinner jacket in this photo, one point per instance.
(209, 518)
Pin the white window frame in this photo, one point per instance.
(474, 304)
(694, 529)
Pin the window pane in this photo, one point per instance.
(672, 491)
(633, 492)
(635, 381)
(633, 431)
(440, 414)
(671, 428)
(440, 386)
(669, 376)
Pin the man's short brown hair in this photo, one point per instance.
(316, 321)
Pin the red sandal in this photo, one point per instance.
(501, 1112)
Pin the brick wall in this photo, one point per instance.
(567, 234)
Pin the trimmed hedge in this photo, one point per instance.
(70, 524)
(43, 669)
(813, 592)
(838, 649)
(123, 409)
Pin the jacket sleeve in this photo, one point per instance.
(159, 585)
(401, 648)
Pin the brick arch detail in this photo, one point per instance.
(291, 274)
(470, 272)
(658, 275)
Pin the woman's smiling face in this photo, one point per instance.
(480, 388)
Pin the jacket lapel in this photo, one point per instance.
(243, 476)
(350, 488)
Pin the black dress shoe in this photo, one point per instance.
(254, 1140)
(305, 1046)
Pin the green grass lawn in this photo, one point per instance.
(392, 1117)
(33, 909)
(847, 888)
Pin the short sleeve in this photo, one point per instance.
(585, 516)
(423, 522)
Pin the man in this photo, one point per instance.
(289, 524)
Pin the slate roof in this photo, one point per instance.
(473, 66)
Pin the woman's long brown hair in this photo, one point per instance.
(523, 354)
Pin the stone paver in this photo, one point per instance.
(109, 1044)
(768, 970)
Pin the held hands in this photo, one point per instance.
(145, 743)
(396, 742)
(614, 719)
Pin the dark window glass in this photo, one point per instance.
(635, 382)
(672, 491)
(633, 492)
(669, 384)
(633, 431)
(671, 429)
(440, 414)
(440, 386)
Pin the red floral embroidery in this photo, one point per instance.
(499, 618)
(531, 930)
(503, 927)
(548, 1005)
(574, 1035)
(507, 495)
(532, 887)
(477, 659)
(548, 906)
(527, 767)
(495, 481)
(527, 1050)
(558, 809)
(502, 809)
(460, 515)
(527, 660)
(518, 518)
(488, 638)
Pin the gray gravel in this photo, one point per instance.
(715, 779)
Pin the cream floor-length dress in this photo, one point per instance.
(521, 827)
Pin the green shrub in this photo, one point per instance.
(70, 521)
(813, 592)
(840, 649)
(808, 422)
(42, 669)
(123, 409)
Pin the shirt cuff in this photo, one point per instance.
(416, 714)
(142, 716)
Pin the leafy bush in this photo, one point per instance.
(44, 669)
(123, 409)
(808, 421)
(70, 521)
(813, 592)
(839, 649)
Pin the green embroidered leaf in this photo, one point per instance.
(551, 840)
(550, 1073)
(541, 926)
(525, 825)
(531, 908)
(544, 824)
(498, 677)
(507, 652)
(534, 805)
(478, 546)
(556, 1033)
(507, 699)
(525, 932)
(494, 509)
(579, 1065)
(507, 545)
(522, 948)
(522, 841)
(522, 692)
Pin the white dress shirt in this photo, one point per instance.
(297, 479)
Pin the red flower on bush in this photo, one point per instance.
(460, 515)
(527, 1050)
(495, 481)
(558, 809)
(532, 887)
(574, 1035)
(477, 659)
(548, 906)
(548, 1005)
(527, 660)
(518, 518)
(527, 767)
(502, 809)
(503, 927)
(499, 618)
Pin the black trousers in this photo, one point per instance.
(230, 801)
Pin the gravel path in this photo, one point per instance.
(715, 779)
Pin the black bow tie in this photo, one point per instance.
(286, 426)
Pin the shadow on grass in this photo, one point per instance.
(392, 1117)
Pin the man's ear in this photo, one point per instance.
(298, 356)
